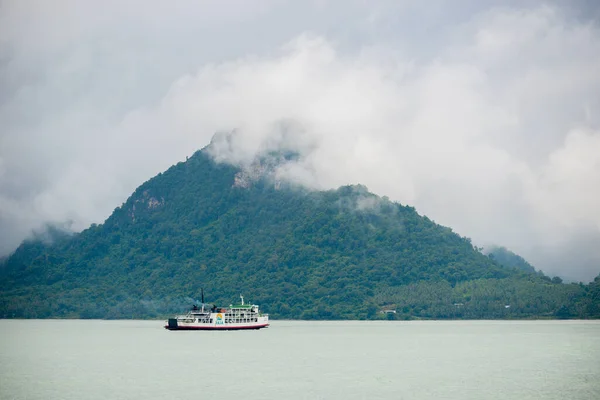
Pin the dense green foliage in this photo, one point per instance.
(336, 254)
(515, 297)
(509, 259)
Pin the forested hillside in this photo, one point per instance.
(339, 254)
(509, 259)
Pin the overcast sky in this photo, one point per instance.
(484, 115)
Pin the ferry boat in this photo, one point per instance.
(235, 317)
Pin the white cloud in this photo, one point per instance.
(492, 129)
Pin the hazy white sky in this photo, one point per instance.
(484, 115)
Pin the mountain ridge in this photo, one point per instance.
(336, 254)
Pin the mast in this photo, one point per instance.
(242, 297)
(202, 290)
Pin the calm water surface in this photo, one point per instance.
(74, 359)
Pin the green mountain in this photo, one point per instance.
(338, 254)
(509, 259)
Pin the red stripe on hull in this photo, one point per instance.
(214, 328)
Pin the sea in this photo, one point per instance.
(129, 359)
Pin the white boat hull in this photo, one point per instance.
(215, 323)
(208, 327)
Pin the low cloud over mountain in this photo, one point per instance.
(482, 115)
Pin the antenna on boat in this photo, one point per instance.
(202, 291)
(242, 297)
